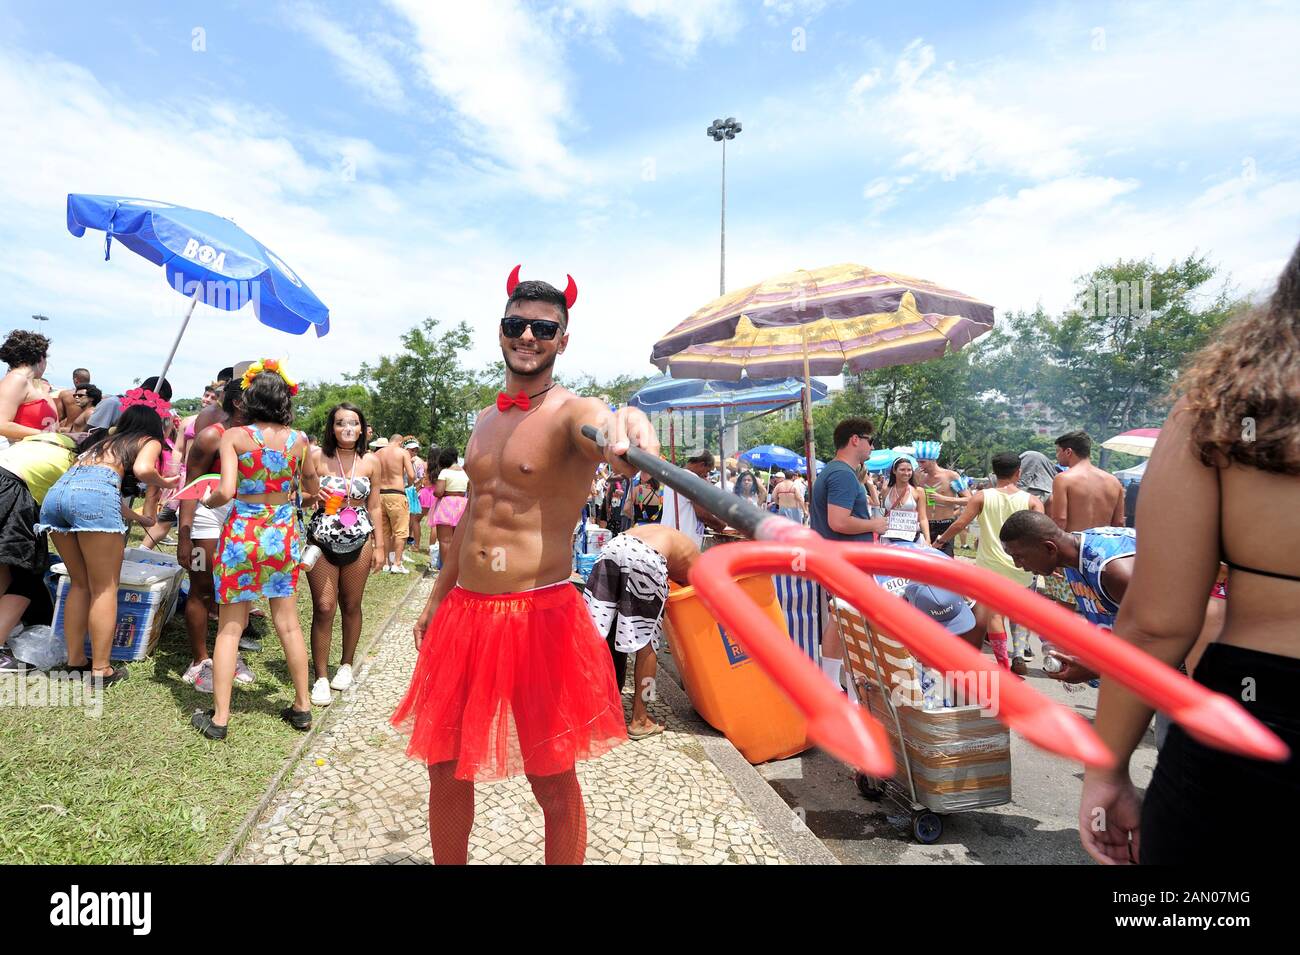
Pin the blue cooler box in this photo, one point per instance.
(146, 601)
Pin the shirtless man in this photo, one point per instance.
(212, 414)
(395, 473)
(198, 529)
(943, 503)
(512, 675)
(87, 398)
(1085, 495)
(626, 593)
(1098, 563)
(66, 400)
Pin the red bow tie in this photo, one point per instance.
(504, 401)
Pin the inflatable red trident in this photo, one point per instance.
(570, 290)
(846, 730)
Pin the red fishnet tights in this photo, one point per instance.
(451, 816)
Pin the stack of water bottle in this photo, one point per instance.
(588, 541)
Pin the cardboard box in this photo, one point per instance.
(959, 756)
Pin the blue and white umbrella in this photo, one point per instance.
(207, 258)
(749, 395)
(884, 459)
(765, 457)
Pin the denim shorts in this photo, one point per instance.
(86, 498)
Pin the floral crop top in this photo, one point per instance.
(265, 470)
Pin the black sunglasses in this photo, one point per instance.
(543, 329)
(869, 439)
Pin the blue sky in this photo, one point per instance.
(402, 156)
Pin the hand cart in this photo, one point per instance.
(947, 758)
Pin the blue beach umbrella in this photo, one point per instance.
(207, 258)
(765, 457)
(884, 459)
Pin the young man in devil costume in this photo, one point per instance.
(512, 676)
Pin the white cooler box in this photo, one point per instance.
(146, 601)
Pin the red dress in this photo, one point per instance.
(511, 683)
(39, 414)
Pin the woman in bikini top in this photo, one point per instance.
(1230, 447)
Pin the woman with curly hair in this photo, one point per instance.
(1231, 442)
(258, 553)
(25, 406)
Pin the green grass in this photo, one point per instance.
(138, 784)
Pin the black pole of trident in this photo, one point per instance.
(732, 508)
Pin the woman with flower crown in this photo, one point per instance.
(258, 553)
(86, 518)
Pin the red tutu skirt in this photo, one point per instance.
(512, 683)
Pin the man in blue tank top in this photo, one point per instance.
(1098, 563)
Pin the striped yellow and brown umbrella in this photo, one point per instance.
(844, 316)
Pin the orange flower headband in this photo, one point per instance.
(267, 364)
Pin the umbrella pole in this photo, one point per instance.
(722, 446)
(806, 402)
(198, 293)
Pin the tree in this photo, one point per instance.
(184, 407)
(1110, 361)
(424, 389)
(617, 391)
(314, 401)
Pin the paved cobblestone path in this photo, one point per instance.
(356, 797)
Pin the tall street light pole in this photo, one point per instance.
(720, 132)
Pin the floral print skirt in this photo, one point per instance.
(258, 553)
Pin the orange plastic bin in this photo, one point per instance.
(725, 686)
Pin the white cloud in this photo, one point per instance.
(357, 60)
(877, 188)
(683, 25)
(951, 124)
(1043, 193)
(1057, 104)
(865, 82)
(118, 317)
(504, 75)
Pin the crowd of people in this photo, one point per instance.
(1067, 529)
(78, 469)
(514, 672)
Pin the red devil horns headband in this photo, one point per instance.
(570, 290)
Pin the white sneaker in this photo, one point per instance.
(191, 674)
(243, 675)
(387, 569)
(401, 569)
(342, 677)
(320, 693)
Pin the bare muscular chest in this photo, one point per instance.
(520, 454)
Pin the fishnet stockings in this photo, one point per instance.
(451, 816)
(330, 587)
